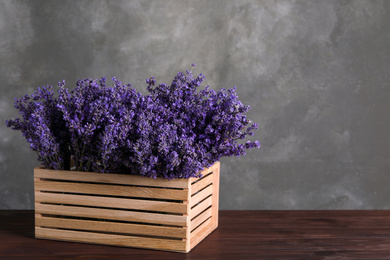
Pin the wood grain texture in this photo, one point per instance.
(201, 232)
(125, 210)
(109, 178)
(121, 215)
(110, 239)
(328, 235)
(215, 196)
(201, 195)
(201, 184)
(112, 190)
(112, 227)
(200, 218)
(202, 225)
(201, 207)
(121, 203)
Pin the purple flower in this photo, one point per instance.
(173, 132)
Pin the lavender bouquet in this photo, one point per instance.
(173, 132)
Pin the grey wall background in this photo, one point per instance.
(316, 74)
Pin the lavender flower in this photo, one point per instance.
(43, 128)
(173, 132)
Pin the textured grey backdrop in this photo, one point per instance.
(316, 74)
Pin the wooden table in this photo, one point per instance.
(240, 235)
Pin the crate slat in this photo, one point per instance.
(200, 218)
(201, 232)
(97, 201)
(123, 215)
(201, 195)
(109, 239)
(201, 184)
(200, 229)
(112, 190)
(201, 207)
(110, 178)
(104, 226)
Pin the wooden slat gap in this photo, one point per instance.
(201, 206)
(110, 220)
(201, 201)
(200, 213)
(210, 184)
(201, 184)
(199, 226)
(115, 196)
(201, 218)
(121, 209)
(113, 184)
(199, 179)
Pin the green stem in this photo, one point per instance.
(88, 164)
(81, 162)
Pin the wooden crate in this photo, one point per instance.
(126, 210)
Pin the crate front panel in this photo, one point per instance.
(122, 210)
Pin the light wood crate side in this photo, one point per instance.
(111, 239)
(207, 221)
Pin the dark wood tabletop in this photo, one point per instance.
(240, 235)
